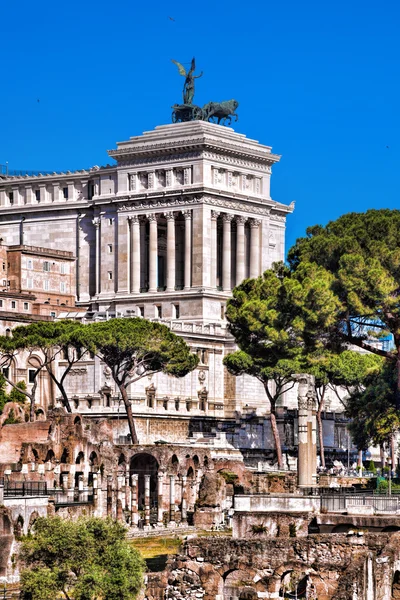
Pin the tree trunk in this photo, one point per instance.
(65, 399)
(275, 433)
(129, 414)
(397, 395)
(383, 457)
(321, 434)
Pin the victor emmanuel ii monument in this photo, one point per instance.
(183, 215)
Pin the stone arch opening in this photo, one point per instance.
(196, 461)
(174, 460)
(293, 584)
(64, 457)
(40, 416)
(238, 585)
(35, 455)
(19, 527)
(190, 472)
(205, 461)
(49, 456)
(93, 459)
(80, 458)
(143, 465)
(77, 421)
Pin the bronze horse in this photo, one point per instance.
(220, 111)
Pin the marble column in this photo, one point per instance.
(153, 252)
(109, 495)
(160, 512)
(135, 254)
(80, 483)
(127, 502)
(188, 248)
(255, 248)
(170, 216)
(96, 223)
(184, 500)
(240, 249)
(213, 279)
(134, 501)
(147, 499)
(172, 498)
(226, 252)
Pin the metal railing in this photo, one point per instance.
(342, 502)
(72, 497)
(17, 489)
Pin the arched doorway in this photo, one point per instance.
(238, 585)
(396, 586)
(145, 464)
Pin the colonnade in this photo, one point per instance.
(128, 498)
(143, 245)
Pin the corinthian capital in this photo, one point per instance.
(255, 223)
(187, 214)
(241, 219)
(96, 222)
(152, 217)
(170, 216)
(227, 217)
(214, 215)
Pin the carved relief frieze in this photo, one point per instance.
(237, 161)
(160, 159)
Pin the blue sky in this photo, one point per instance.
(318, 81)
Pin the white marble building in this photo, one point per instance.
(183, 216)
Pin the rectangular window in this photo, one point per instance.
(4, 266)
(46, 266)
(46, 285)
(31, 375)
(37, 195)
(29, 284)
(11, 198)
(140, 311)
(223, 312)
(62, 287)
(26, 305)
(158, 312)
(175, 311)
(13, 304)
(53, 314)
(110, 275)
(6, 372)
(90, 190)
(30, 264)
(1, 303)
(65, 193)
(110, 248)
(110, 221)
(63, 269)
(4, 282)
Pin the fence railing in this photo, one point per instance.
(18, 489)
(343, 502)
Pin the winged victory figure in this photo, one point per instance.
(188, 86)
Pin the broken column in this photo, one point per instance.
(147, 500)
(307, 429)
(172, 499)
(160, 499)
(134, 501)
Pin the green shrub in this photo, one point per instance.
(18, 396)
(229, 476)
(11, 419)
(371, 466)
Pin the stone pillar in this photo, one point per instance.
(109, 495)
(255, 248)
(172, 498)
(135, 254)
(188, 248)
(64, 482)
(240, 249)
(80, 483)
(127, 492)
(170, 216)
(96, 223)
(226, 252)
(134, 501)
(213, 253)
(160, 511)
(147, 499)
(184, 500)
(153, 252)
(307, 453)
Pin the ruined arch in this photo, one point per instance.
(238, 585)
(77, 421)
(93, 459)
(143, 464)
(122, 459)
(174, 460)
(6, 525)
(390, 529)
(80, 458)
(196, 461)
(35, 455)
(205, 462)
(19, 527)
(190, 472)
(65, 457)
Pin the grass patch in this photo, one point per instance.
(151, 547)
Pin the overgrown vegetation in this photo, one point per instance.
(88, 559)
